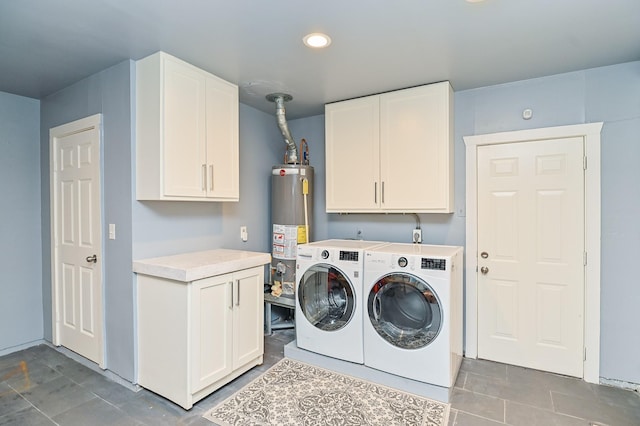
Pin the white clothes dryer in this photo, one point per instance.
(329, 298)
(413, 313)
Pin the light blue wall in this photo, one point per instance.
(164, 228)
(107, 92)
(311, 129)
(146, 229)
(20, 243)
(609, 94)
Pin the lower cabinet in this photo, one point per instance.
(195, 337)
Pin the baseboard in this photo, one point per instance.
(21, 347)
(620, 384)
(93, 366)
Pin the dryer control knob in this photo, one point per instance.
(325, 254)
(402, 262)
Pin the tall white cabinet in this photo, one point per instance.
(391, 153)
(186, 132)
(200, 321)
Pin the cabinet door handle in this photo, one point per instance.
(231, 301)
(382, 192)
(375, 193)
(237, 292)
(211, 177)
(204, 177)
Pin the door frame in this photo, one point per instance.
(81, 125)
(591, 135)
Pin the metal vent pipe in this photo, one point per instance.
(280, 99)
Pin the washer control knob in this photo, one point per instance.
(325, 254)
(402, 262)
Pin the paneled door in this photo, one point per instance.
(531, 254)
(77, 238)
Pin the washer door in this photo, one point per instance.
(326, 297)
(405, 311)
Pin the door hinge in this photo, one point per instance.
(584, 161)
(584, 258)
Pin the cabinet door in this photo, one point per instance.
(352, 155)
(211, 330)
(248, 315)
(184, 154)
(222, 139)
(416, 149)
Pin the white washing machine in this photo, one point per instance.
(329, 297)
(413, 312)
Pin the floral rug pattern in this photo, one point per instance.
(292, 393)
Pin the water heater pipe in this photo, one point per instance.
(305, 192)
(280, 99)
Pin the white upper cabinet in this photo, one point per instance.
(391, 153)
(186, 133)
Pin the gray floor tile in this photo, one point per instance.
(57, 396)
(95, 412)
(29, 416)
(47, 355)
(11, 401)
(462, 377)
(500, 388)
(486, 393)
(595, 411)
(151, 409)
(36, 374)
(524, 377)
(480, 405)
(74, 370)
(484, 368)
(517, 414)
(13, 360)
(109, 390)
(466, 419)
(616, 396)
(452, 417)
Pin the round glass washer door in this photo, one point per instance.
(405, 311)
(326, 297)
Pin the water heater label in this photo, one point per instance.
(285, 241)
(302, 235)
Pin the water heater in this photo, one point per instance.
(291, 218)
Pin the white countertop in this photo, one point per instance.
(201, 264)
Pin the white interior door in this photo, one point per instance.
(77, 238)
(531, 254)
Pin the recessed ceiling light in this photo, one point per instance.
(316, 40)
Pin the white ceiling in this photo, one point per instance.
(378, 45)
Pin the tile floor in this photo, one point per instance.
(64, 392)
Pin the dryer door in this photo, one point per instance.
(326, 297)
(405, 311)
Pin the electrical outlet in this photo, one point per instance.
(244, 235)
(416, 236)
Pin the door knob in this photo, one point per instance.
(91, 259)
(484, 270)
(484, 255)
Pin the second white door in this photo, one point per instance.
(77, 238)
(531, 254)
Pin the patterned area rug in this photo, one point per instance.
(297, 394)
